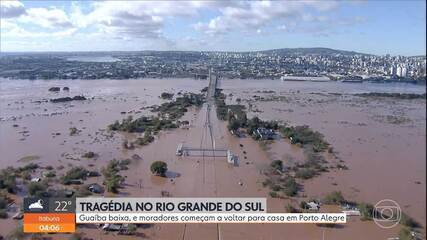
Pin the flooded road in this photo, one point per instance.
(386, 159)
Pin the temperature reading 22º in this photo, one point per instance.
(62, 206)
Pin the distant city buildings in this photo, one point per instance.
(272, 64)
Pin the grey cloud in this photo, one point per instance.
(11, 9)
(125, 23)
(256, 15)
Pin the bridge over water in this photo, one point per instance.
(207, 151)
(210, 151)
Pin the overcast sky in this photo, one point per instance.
(378, 26)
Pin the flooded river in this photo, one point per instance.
(385, 155)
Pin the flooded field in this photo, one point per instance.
(382, 141)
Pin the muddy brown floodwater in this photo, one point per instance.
(382, 141)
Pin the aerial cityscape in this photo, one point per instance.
(271, 64)
(310, 114)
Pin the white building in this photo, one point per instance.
(392, 71)
(404, 71)
(399, 71)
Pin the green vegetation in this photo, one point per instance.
(30, 166)
(112, 178)
(131, 229)
(146, 139)
(304, 205)
(176, 109)
(276, 187)
(168, 114)
(267, 182)
(8, 180)
(396, 119)
(73, 131)
(334, 197)
(89, 155)
(221, 107)
(236, 116)
(3, 205)
(277, 165)
(54, 89)
(407, 221)
(286, 184)
(305, 173)
(405, 234)
(26, 175)
(305, 136)
(313, 143)
(393, 95)
(233, 124)
(48, 167)
(152, 124)
(68, 99)
(366, 211)
(274, 194)
(255, 123)
(75, 173)
(36, 188)
(3, 202)
(159, 168)
(166, 95)
(124, 163)
(8, 176)
(312, 166)
(50, 174)
(291, 187)
(313, 160)
(3, 214)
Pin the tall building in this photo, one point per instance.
(399, 71)
(392, 71)
(404, 72)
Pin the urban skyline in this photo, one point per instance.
(323, 63)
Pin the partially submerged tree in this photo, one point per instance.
(159, 168)
(334, 197)
(36, 188)
(75, 173)
(89, 154)
(112, 178)
(8, 180)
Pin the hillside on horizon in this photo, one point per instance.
(279, 51)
